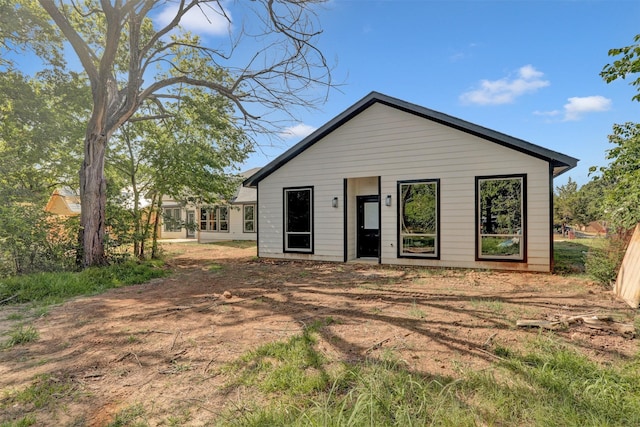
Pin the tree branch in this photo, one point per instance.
(82, 49)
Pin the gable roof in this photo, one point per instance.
(64, 201)
(245, 195)
(560, 162)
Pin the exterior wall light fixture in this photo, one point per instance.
(387, 200)
(334, 202)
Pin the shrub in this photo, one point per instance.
(602, 263)
(33, 240)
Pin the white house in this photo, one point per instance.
(397, 183)
(235, 220)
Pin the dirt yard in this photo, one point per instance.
(160, 345)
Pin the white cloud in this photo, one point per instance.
(298, 131)
(207, 19)
(552, 113)
(506, 90)
(577, 106)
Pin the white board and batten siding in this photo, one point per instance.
(394, 145)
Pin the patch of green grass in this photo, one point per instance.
(569, 256)
(52, 288)
(131, 416)
(21, 335)
(554, 385)
(45, 391)
(215, 267)
(15, 316)
(26, 421)
(550, 384)
(491, 304)
(294, 367)
(416, 311)
(132, 339)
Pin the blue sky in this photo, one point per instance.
(529, 69)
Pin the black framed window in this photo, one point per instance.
(419, 222)
(298, 219)
(500, 216)
(172, 219)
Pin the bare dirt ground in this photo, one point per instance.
(160, 345)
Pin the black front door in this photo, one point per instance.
(368, 227)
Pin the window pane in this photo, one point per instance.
(501, 206)
(204, 216)
(419, 245)
(500, 245)
(298, 241)
(248, 226)
(500, 219)
(248, 213)
(419, 209)
(298, 210)
(172, 218)
(419, 218)
(224, 213)
(371, 216)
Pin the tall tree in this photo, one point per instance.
(186, 156)
(118, 44)
(565, 201)
(622, 176)
(41, 128)
(579, 205)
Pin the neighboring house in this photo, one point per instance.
(396, 183)
(64, 202)
(235, 220)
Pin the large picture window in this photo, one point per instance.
(418, 218)
(249, 213)
(215, 219)
(172, 219)
(501, 217)
(298, 219)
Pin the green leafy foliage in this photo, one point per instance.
(25, 29)
(628, 63)
(187, 156)
(32, 240)
(603, 261)
(622, 176)
(579, 205)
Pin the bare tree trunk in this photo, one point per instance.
(156, 221)
(93, 199)
(147, 226)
